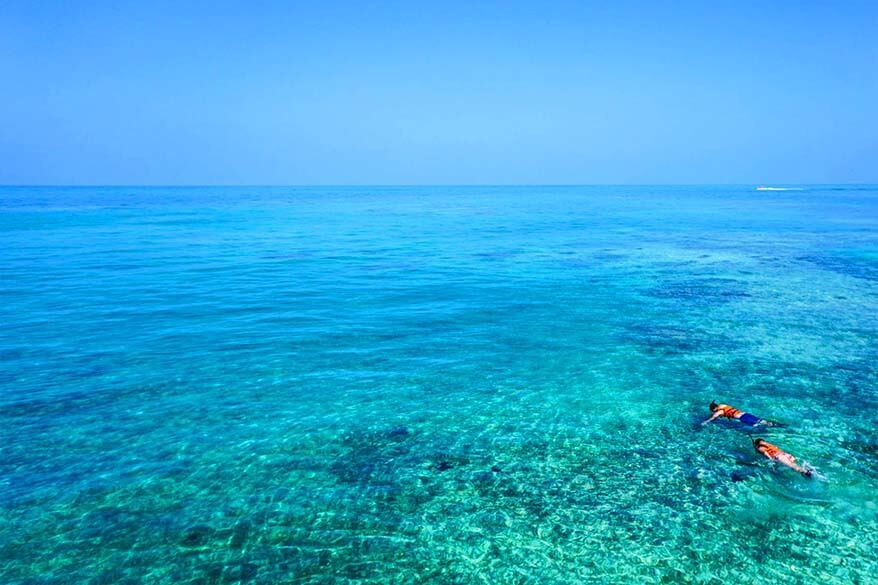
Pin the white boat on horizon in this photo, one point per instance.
(763, 188)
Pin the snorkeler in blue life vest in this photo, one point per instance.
(726, 411)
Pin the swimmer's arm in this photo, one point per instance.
(715, 416)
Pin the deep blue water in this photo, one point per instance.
(436, 384)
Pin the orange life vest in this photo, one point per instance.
(729, 412)
(770, 450)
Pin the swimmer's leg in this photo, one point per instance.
(750, 419)
(812, 473)
(755, 421)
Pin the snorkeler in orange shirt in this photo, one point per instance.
(726, 411)
(775, 453)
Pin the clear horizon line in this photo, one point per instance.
(313, 185)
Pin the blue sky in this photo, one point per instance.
(433, 93)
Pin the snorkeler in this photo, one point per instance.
(777, 454)
(726, 411)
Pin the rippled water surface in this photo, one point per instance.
(444, 384)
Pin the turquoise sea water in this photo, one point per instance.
(436, 385)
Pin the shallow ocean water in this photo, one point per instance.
(436, 384)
